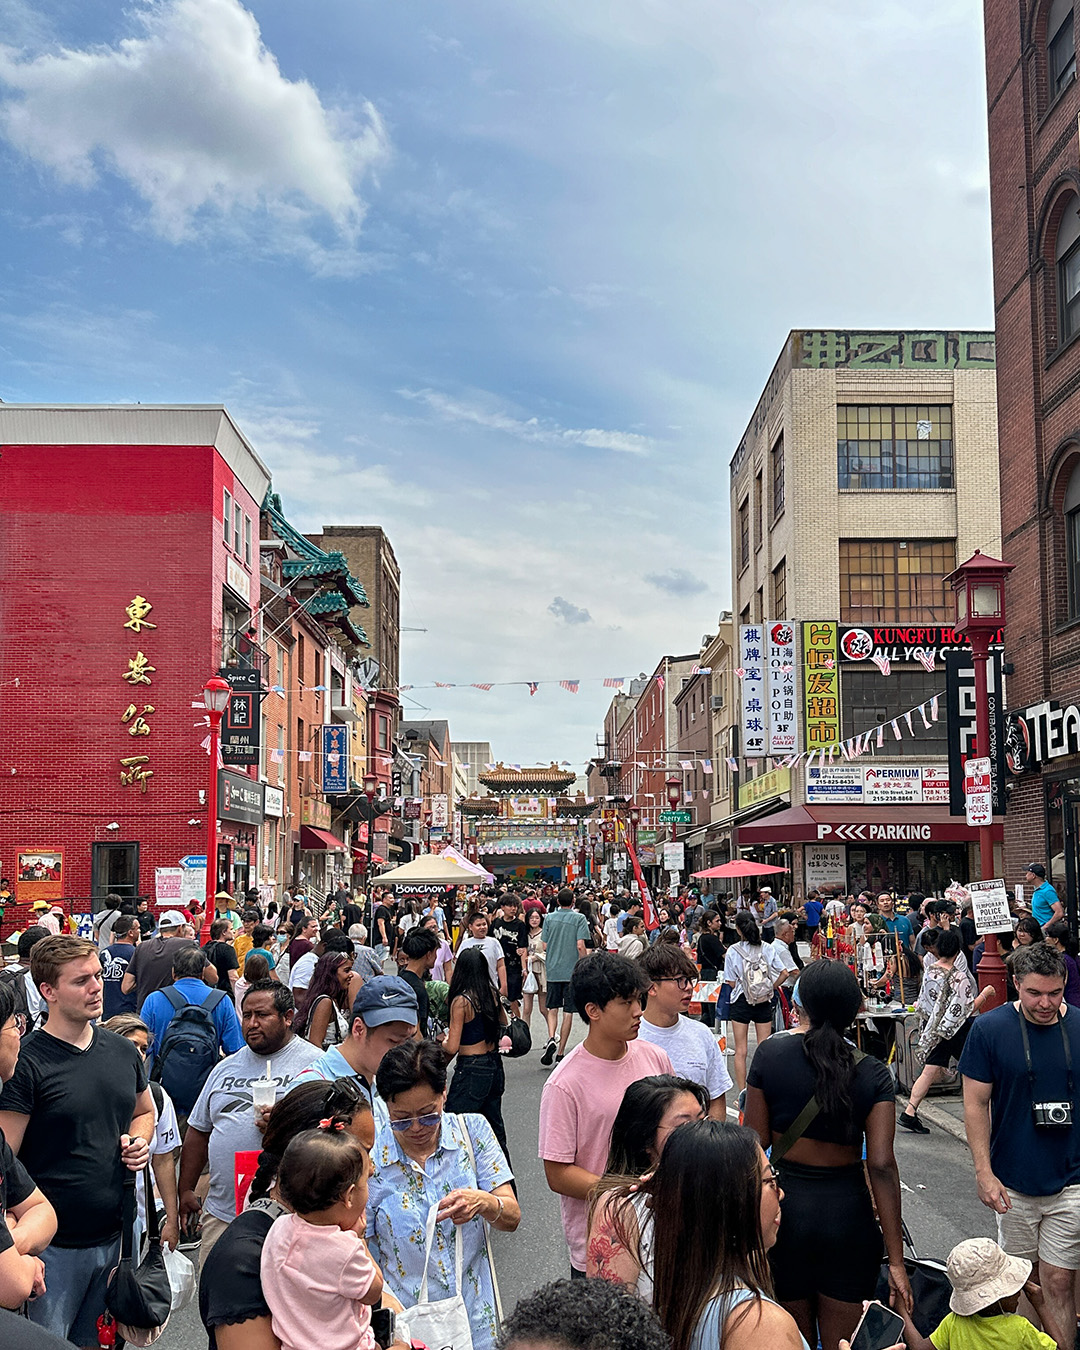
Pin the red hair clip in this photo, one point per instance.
(327, 1123)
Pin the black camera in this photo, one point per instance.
(1053, 1115)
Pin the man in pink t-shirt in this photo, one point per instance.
(582, 1097)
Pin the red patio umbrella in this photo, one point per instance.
(741, 868)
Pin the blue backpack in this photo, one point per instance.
(189, 1049)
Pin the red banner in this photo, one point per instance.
(647, 907)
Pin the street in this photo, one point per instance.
(940, 1204)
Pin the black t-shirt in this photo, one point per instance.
(416, 984)
(79, 1103)
(152, 964)
(376, 938)
(146, 923)
(512, 935)
(16, 1186)
(115, 960)
(230, 1286)
(351, 914)
(223, 958)
(710, 952)
(782, 1071)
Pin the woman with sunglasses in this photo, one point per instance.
(430, 1156)
(232, 1304)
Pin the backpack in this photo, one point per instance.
(189, 1048)
(13, 978)
(757, 980)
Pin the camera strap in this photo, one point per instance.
(1027, 1052)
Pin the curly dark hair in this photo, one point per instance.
(584, 1315)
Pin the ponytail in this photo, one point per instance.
(831, 997)
(748, 929)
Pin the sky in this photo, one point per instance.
(506, 279)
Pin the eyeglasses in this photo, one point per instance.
(770, 1178)
(425, 1122)
(18, 1021)
(681, 981)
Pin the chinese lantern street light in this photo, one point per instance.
(216, 693)
(674, 787)
(371, 787)
(979, 586)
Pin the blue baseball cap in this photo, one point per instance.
(386, 998)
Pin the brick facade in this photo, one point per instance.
(1034, 179)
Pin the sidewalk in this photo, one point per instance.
(944, 1110)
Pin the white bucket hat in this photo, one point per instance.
(981, 1273)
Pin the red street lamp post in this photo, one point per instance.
(371, 786)
(674, 796)
(979, 585)
(635, 819)
(216, 693)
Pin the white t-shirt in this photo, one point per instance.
(166, 1138)
(492, 949)
(736, 961)
(611, 934)
(835, 908)
(782, 952)
(301, 973)
(693, 1052)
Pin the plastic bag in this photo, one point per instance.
(531, 985)
(181, 1278)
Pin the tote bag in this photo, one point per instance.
(444, 1323)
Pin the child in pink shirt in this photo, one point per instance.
(316, 1269)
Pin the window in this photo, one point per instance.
(909, 446)
(759, 605)
(1067, 253)
(896, 581)
(318, 674)
(236, 514)
(384, 733)
(247, 540)
(744, 535)
(744, 617)
(759, 532)
(776, 457)
(226, 517)
(301, 744)
(779, 590)
(1060, 46)
(281, 667)
(868, 699)
(301, 661)
(1071, 507)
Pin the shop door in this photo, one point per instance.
(241, 870)
(115, 870)
(223, 861)
(1063, 841)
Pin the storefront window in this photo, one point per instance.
(906, 870)
(869, 699)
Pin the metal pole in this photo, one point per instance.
(211, 829)
(991, 968)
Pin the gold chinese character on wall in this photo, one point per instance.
(134, 772)
(139, 725)
(138, 668)
(136, 612)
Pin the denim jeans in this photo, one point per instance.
(74, 1298)
(477, 1087)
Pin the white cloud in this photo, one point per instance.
(197, 117)
(568, 612)
(543, 430)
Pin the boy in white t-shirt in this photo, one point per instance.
(692, 1049)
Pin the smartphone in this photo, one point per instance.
(383, 1326)
(879, 1327)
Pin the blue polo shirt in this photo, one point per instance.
(900, 924)
(1042, 903)
(157, 1012)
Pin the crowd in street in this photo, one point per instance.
(325, 1140)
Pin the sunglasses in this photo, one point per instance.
(425, 1122)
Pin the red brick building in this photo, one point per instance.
(129, 550)
(1033, 100)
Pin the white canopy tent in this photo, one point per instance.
(429, 869)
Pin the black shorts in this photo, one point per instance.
(946, 1051)
(742, 1011)
(841, 1258)
(556, 995)
(514, 979)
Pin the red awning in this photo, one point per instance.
(314, 840)
(862, 825)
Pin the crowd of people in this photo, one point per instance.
(325, 1138)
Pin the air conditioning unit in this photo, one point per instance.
(716, 702)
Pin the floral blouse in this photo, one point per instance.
(400, 1193)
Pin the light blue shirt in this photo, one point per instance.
(157, 1012)
(400, 1194)
(332, 1064)
(1042, 902)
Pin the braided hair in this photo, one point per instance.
(301, 1109)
